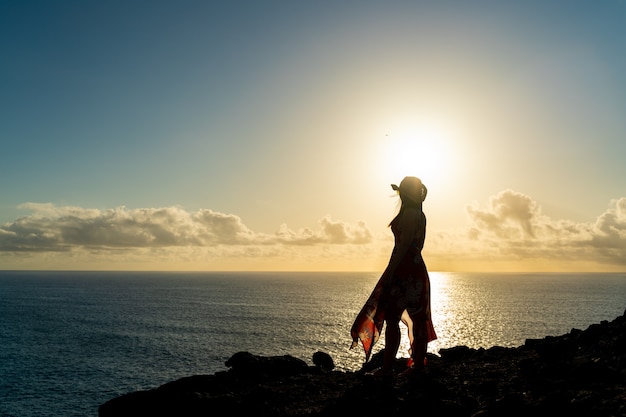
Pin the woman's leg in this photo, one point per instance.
(420, 345)
(392, 343)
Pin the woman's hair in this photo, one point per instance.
(412, 193)
(411, 190)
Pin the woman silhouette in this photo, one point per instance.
(403, 290)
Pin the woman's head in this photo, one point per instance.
(411, 190)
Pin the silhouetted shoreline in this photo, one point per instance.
(581, 373)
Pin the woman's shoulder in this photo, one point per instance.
(410, 214)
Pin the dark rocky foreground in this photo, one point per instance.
(582, 373)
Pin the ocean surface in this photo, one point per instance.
(70, 341)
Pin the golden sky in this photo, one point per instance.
(265, 136)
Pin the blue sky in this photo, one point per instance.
(264, 135)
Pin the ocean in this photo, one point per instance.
(70, 341)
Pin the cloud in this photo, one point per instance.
(508, 215)
(510, 232)
(331, 232)
(52, 228)
(513, 227)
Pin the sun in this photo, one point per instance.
(422, 150)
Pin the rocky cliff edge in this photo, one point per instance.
(581, 373)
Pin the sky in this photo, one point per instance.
(264, 135)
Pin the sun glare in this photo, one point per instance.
(422, 151)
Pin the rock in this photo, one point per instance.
(456, 352)
(582, 373)
(323, 361)
(247, 363)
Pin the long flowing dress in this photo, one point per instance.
(408, 291)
